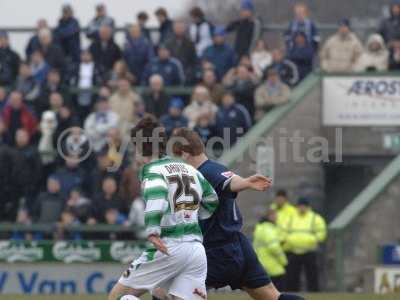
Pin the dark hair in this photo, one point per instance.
(161, 11)
(228, 92)
(192, 142)
(150, 136)
(197, 12)
(142, 15)
(281, 193)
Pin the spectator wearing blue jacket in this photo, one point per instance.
(67, 34)
(302, 23)
(138, 51)
(220, 54)
(301, 54)
(168, 67)
(33, 43)
(232, 118)
(389, 28)
(286, 68)
(70, 176)
(174, 118)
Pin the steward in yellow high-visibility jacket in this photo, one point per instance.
(267, 245)
(304, 231)
(283, 208)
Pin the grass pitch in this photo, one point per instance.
(234, 296)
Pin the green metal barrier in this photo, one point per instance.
(50, 228)
(266, 124)
(80, 251)
(338, 226)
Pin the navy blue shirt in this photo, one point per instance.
(227, 220)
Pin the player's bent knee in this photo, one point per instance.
(120, 290)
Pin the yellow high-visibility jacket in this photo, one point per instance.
(303, 233)
(268, 248)
(283, 213)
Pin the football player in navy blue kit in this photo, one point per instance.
(231, 258)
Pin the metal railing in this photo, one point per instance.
(323, 27)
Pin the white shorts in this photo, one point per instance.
(180, 273)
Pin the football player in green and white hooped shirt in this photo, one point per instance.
(176, 197)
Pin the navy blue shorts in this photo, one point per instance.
(236, 265)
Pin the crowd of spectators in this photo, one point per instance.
(60, 86)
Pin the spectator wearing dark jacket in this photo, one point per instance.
(174, 118)
(156, 99)
(200, 30)
(138, 51)
(142, 17)
(3, 98)
(205, 128)
(99, 172)
(301, 54)
(107, 200)
(16, 115)
(49, 204)
(52, 84)
(101, 18)
(9, 61)
(168, 67)
(220, 54)
(105, 51)
(71, 176)
(32, 170)
(389, 28)
(241, 83)
(65, 119)
(10, 183)
(302, 23)
(286, 68)
(183, 49)
(165, 24)
(33, 43)
(232, 118)
(394, 58)
(247, 29)
(67, 34)
(51, 51)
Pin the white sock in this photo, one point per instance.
(129, 297)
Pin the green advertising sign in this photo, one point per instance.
(70, 251)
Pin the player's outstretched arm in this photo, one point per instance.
(255, 182)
